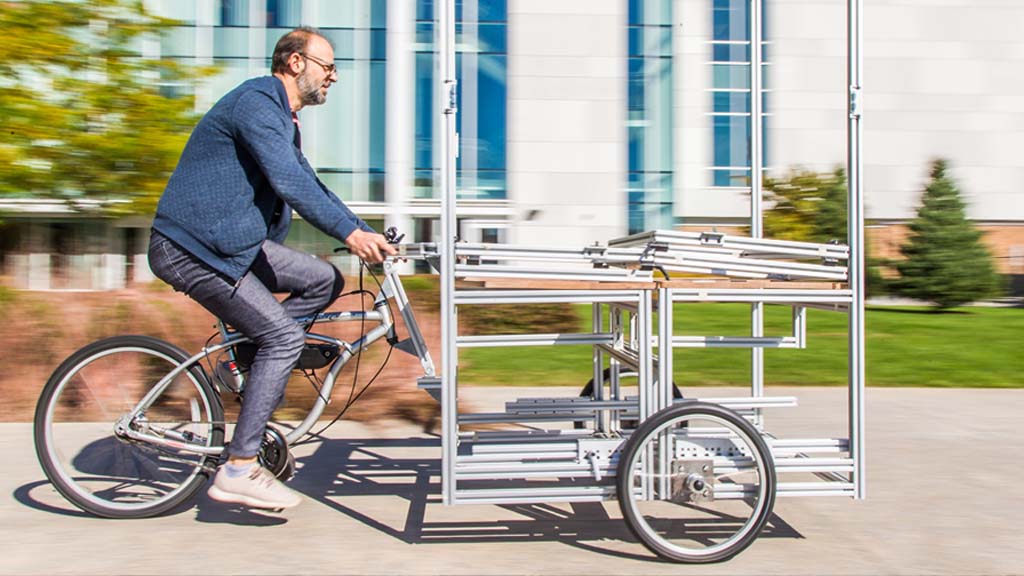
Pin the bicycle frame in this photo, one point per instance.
(390, 288)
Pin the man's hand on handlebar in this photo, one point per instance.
(369, 246)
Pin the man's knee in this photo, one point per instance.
(285, 341)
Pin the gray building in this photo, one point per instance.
(583, 121)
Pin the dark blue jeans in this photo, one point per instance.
(250, 308)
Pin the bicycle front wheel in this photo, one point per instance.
(102, 470)
(696, 483)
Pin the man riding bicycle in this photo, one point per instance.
(218, 233)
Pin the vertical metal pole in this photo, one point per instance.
(449, 229)
(855, 226)
(665, 445)
(665, 367)
(596, 322)
(756, 192)
(641, 329)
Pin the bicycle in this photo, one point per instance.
(132, 426)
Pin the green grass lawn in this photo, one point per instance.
(969, 347)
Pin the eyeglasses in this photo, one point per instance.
(328, 68)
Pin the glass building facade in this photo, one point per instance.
(649, 122)
(481, 63)
(347, 140)
(731, 92)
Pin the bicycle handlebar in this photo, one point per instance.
(391, 235)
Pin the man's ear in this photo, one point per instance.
(296, 63)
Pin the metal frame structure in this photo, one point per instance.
(621, 282)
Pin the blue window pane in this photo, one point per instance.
(379, 13)
(424, 9)
(730, 20)
(732, 76)
(740, 178)
(730, 53)
(492, 11)
(489, 38)
(234, 13)
(636, 12)
(636, 159)
(378, 85)
(491, 109)
(378, 44)
(284, 13)
(425, 33)
(424, 118)
(732, 141)
(731, 102)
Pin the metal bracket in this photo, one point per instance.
(693, 481)
(856, 102)
(713, 238)
(452, 96)
(597, 451)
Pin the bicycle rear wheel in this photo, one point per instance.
(696, 483)
(104, 472)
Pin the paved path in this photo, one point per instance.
(945, 497)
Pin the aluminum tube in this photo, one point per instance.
(856, 240)
(541, 494)
(532, 340)
(775, 295)
(735, 245)
(542, 296)
(445, 120)
(756, 194)
(735, 342)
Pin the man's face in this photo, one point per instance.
(319, 73)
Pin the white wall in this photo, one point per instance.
(942, 79)
(566, 120)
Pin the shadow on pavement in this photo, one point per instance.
(23, 494)
(341, 469)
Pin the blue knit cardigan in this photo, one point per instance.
(240, 175)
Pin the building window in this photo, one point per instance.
(343, 139)
(731, 92)
(481, 70)
(649, 124)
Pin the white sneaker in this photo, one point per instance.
(258, 489)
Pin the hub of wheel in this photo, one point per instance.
(693, 481)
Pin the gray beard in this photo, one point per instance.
(309, 93)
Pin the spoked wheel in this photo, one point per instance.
(696, 483)
(101, 469)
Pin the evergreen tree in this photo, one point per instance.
(945, 260)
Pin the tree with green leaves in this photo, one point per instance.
(87, 114)
(811, 207)
(807, 206)
(945, 261)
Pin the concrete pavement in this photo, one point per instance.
(945, 496)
